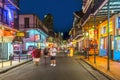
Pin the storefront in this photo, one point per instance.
(103, 37)
(81, 44)
(34, 38)
(117, 39)
(6, 36)
(93, 41)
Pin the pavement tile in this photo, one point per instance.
(101, 65)
(7, 66)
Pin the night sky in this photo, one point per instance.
(62, 11)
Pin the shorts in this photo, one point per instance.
(36, 59)
(52, 58)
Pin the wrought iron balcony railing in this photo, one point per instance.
(33, 26)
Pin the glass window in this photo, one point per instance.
(27, 35)
(5, 17)
(103, 43)
(118, 44)
(26, 22)
(118, 22)
(0, 15)
(103, 30)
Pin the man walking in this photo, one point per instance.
(53, 52)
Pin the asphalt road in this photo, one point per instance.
(67, 69)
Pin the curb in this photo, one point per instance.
(11, 67)
(106, 75)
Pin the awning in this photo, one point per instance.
(8, 28)
(102, 13)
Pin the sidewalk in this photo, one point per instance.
(7, 65)
(101, 65)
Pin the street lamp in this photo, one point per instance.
(108, 50)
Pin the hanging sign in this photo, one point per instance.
(21, 34)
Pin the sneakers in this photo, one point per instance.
(53, 65)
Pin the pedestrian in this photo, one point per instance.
(46, 51)
(53, 52)
(36, 54)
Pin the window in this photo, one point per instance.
(118, 22)
(27, 35)
(0, 15)
(103, 43)
(5, 16)
(118, 45)
(26, 22)
(103, 30)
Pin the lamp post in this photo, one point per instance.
(108, 46)
(2, 45)
(88, 44)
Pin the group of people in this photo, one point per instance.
(48, 52)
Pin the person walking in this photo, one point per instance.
(36, 54)
(53, 52)
(46, 51)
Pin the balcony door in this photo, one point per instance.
(26, 22)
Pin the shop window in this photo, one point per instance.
(103, 43)
(118, 45)
(112, 42)
(118, 22)
(103, 30)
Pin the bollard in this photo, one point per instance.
(11, 58)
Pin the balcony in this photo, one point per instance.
(100, 10)
(92, 9)
(23, 27)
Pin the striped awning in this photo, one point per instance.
(114, 8)
(102, 12)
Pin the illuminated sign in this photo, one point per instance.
(37, 37)
(21, 34)
(91, 33)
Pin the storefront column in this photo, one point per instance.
(88, 46)
(94, 39)
(2, 46)
(108, 45)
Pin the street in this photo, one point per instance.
(67, 69)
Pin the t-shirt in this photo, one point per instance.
(36, 53)
(53, 51)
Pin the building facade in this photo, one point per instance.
(8, 27)
(100, 25)
(35, 32)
